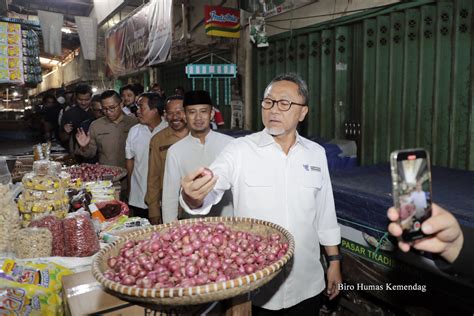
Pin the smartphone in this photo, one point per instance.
(411, 185)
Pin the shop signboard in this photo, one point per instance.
(141, 40)
(11, 53)
(220, 21)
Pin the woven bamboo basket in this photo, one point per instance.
(196, 294)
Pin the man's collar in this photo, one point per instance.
(205, 138)
(267, 139)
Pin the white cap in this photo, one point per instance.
(61, 100)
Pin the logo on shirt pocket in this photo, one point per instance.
(311, 168)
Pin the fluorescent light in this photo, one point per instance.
(66, 30)
(45, 60)
(15, 94)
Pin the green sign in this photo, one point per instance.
(367, 253)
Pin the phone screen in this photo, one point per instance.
(412, 191)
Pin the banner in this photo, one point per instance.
(224, 22)
(87, 29)
(51, 24)
(11, 53)
(141, 40)
(159, 20)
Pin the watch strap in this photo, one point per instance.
(334, 258)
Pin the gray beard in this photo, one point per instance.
(274, 131)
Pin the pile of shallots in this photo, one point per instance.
(193, 254)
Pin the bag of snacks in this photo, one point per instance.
(33, 243)
(55, 226)
(31, 289)
(79, 235)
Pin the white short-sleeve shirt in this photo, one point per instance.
(137, 148)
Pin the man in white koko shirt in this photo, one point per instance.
(278, 176)
(199, 148)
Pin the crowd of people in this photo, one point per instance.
(117, 128)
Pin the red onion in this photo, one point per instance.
(187, 250)
(275, 237)
(133, 269)
(250, 268)
(213, 274)
(173, 266)
(221, 278)
(154, 246)
(112, 262)
(128, 280)
(201, 279)
(163, 277)
(191, 270)
(217, 240)
(129, 244)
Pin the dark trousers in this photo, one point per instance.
(137, 211)
(308, 307)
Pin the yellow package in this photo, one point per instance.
(48, 275)
(32, 288)
(29, 300)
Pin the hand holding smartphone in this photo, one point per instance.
(411, 185)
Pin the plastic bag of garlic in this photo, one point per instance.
(9, 215)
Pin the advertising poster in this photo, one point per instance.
(141, 40)
(224, 22)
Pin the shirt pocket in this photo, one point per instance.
(102, 139)
(310, 184)
(259, 191)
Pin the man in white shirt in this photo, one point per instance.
(199, 148)
(149, 112)
(418, 198)
(278, 176)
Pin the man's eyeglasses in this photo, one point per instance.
(283, 105)
(110, 109)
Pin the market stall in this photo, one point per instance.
(53, 220)
(65, 224)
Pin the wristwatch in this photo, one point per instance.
(334, 258)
